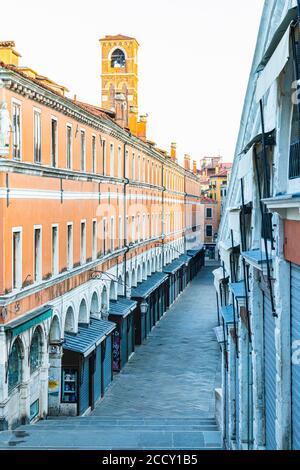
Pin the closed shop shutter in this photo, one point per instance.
(97, 376)
(84, 386)
(237, 400)
(130, 320)
(148, 320)
(295, 331)
(124, 343)
(107, 369)
(143, 326)
(270, 373)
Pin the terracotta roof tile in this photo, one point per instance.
(116, 37)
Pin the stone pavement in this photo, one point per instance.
(164, 397)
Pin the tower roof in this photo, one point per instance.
(118, 37)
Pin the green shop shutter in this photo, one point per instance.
(97, 375)
(107, 369)
(124, 340)
(130, 320)
(84, 386)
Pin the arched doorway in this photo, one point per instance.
(83, 313)
(69, 326)
(95, 310)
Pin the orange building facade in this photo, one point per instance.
(90, 210)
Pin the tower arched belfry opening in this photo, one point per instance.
(118, 59)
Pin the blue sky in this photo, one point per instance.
(194, 59)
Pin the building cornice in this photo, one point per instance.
(46, 97)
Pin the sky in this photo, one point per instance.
(194, 59)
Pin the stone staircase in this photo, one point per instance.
(97, 433)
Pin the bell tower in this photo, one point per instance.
(120, 75)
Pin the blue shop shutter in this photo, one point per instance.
(148, 320)
(108, 363)
(143, 321)
(270, 374)
(84, 386)
(237, 401)
(295, 312)
(124, 343)
(97, 376)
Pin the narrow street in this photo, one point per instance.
(163, 399)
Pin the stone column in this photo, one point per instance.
(256, 307)
(231, 386)
(54, 379)
(283, 343)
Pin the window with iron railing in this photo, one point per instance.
(294, 162)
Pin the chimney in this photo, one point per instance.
(8, 55)
(121, 110)
(187, 162)
(173, 152)
(142, 127)
(195, 167)
(133, 120)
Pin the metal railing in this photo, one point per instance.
(294, 171)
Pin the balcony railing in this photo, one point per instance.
(294, 171)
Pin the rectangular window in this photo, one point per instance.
(94, 156)
(17, 259)
(55, 268)
(112, 160)
(112, 234)
(54, 142)
(37, 137)
(138, 229)
(133, 237)
(70, 245)
(37, 254)
(94, 254)
(139, 169)
(209, 230)
(82, 150)
(127, 230)
(104, 157)
(126, 164)
(82, 242)
(104, 233)
(133, 167)
(120, 162)
(69, 147)
(120, 233)
(208, 212)
(16, 128)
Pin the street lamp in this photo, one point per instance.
(144, 307)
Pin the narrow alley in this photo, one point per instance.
(163, 399)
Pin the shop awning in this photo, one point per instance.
(276, 55)
(269, 137)
(256, 258)
(228, 314)
(177, 264)
(238, 289)
(143, 290)
(219, 332)
(18, 326)
(194, 252)
(219, 277)
(234, 219)
(122, 307)
(88, 337)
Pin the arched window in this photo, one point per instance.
(15, 365)
(118, 59)
(35, 351)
